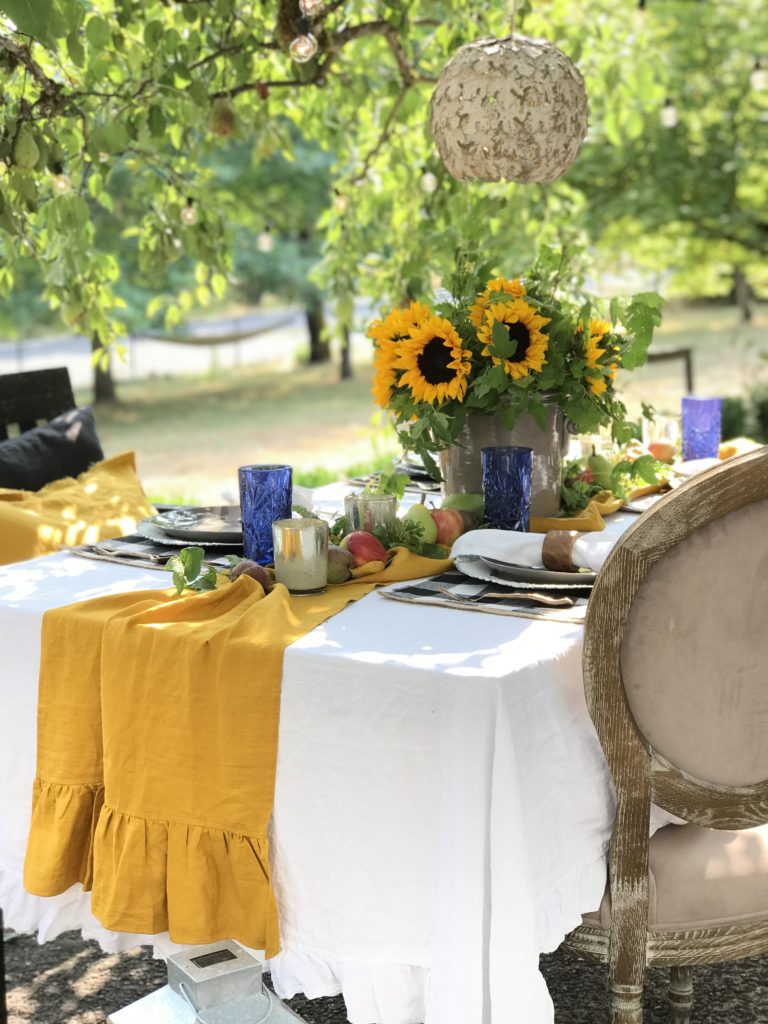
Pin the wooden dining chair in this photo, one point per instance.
(675, 656)
(33, 397)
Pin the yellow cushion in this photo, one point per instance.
(105, 501)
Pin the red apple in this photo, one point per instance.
(662, 451)
(449, 523)
(364, 547)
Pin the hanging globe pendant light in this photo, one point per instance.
(512, 109)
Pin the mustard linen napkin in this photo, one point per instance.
(104, 502)
(589, 519)
(157, 743)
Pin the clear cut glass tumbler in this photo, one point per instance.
(265, 495)
(507, 486)
(701, 427)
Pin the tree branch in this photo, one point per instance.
(20, 55)
(386, 131)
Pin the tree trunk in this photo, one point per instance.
(103, 381)
(742, 294)
(346, 354)
(319, 348)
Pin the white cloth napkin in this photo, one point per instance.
(589, 550)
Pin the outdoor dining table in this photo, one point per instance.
(442, 804)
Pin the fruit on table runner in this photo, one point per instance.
(450, 524)
(340, 564)
(601, 470)
(470, 505)
(364, 547)
(421, 515)
(245, 567)
(662, 451)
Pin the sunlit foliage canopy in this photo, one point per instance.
(151, 93)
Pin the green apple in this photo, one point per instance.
(464, 502)
(420, 515)
(470, 505)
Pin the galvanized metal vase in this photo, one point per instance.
(461, 466)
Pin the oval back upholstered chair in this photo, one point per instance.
(676, 679)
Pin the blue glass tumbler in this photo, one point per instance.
(701, 427)
(265, 495)
(507, 486)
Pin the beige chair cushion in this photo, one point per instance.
(701, 878)
(695, 651)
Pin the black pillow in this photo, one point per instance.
(66, 446)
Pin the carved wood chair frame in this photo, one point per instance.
(641, 775)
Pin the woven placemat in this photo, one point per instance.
(452, 589)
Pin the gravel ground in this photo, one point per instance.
(70, 981)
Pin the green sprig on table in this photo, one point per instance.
(188, 571)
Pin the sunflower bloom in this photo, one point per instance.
(384, 378)
(387, 335)
(398, 324)
(593, 353)
(436, 364)
(512, 289)
(525, 329)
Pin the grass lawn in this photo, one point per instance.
(191, 433)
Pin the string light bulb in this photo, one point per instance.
(428, 182)
(758, 79)
(309, 8)
(303, 48)
(265, 242)
(61, 183)
(189, 213)
(669, 114)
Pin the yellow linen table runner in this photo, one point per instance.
(157, 743)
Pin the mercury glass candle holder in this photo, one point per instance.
(367, 511)
(265, 495)
(507, 471)
(301, 554)
(701, 421)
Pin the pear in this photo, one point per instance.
(601, 470)
(420, 515)
(222, 117)
(340, 564)
(25, 149)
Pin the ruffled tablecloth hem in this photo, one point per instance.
(382, 992)
(561, 909)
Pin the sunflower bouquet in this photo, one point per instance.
(508, 346)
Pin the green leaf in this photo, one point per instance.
(75, 49)
(97, 32)
(153, 33)
(156, 121)
(38, 18)
(502, 345)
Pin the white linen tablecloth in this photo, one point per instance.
(442, 806)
